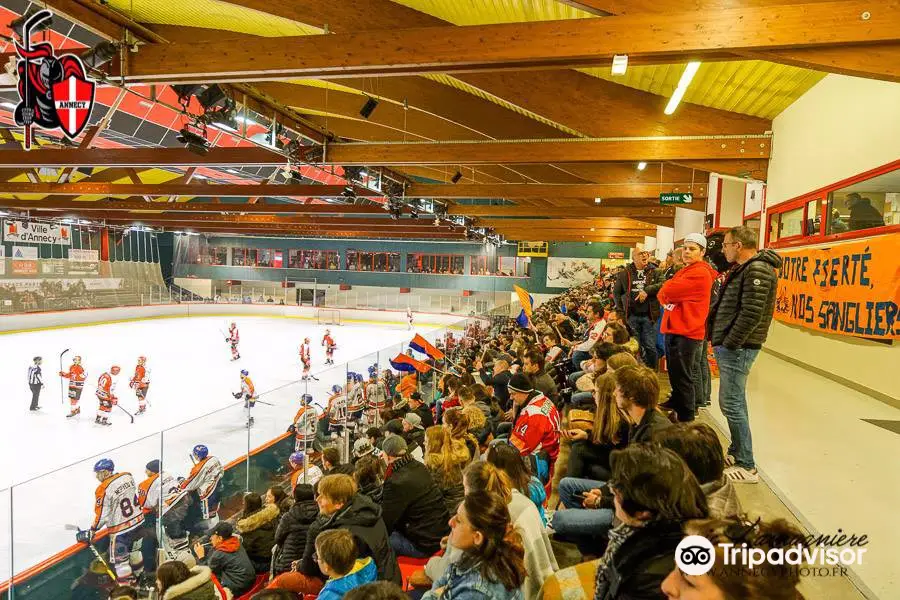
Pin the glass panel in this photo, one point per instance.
(774, 225)
(791, 223)
(868, 204)
(813, 217)
(265, 258)
(5, 536)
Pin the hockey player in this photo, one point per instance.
(409, 319)
(140, 383)
(305, 423)
(155, 494)
(305, 358)
(233, 339)
(356, 397)
(105, 396)
(329, 344)
(310, 475)
(376, 396)
(248, 393)
(204, 479)
(337, 410)
(117, 509)
(76, 377)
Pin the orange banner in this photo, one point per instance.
(847, 289)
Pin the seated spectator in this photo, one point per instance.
(589, 454)
(508, 460)
(290, 535)
(457, 423)
(533, 366)
(338, 559)
(583, 380)
(126, 592)
(418, 406)
(277, 496)
(174, 579)
(596, 325)
(738, 581)
(498, 379)
(363, 447)
(698, 445)
(228, 560)
(414, 510)
(414, 434)
(445, 459)
(331, 463)
(654, 494)
(257, 530)
(552, 347)
(492, 562)
(342, 507)
(369, 476)
(375, 436)
(380, 590)
(536, 430)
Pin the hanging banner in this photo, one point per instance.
(569, 272)
(76, 255)
(848, 289)
(36, 233)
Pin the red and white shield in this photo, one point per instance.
(73, 99)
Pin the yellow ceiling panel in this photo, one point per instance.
(483, 12)
(328, 85)
(211, 14)
(752, 87)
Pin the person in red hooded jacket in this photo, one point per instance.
(685, 302)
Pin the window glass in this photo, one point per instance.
(774, 222)
(239, 257)
(791, 223)
(435, 264)
(382, 262)
(871, 203)
(313, 259)
(813, 217)
(265, 258)
(483, 265)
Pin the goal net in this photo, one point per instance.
(328, 316)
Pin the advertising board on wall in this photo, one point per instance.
(25, 267)
(847, 289)
(79, 255)
(568, 272)
(25, 252)
(31, 232)
(92, 285)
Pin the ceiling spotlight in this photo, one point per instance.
(185, 92)
(619, 64)
(642, 165)
(593, 229)
(349, 194)
(598, 200)
(221, 119)
(368, 108)
(213, 97)
(99, 55)
(686, 77)
(456, 177)
(413, 213)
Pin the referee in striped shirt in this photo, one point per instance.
(35, 382)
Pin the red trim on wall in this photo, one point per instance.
(796, 240)
(718, 214)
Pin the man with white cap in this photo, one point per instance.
(636, 302)
(685, 301)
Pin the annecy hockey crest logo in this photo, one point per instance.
(54, 91)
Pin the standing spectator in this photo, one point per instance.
(499, 380)
(35, 382)
(738, 324)
(290, 535)
(685, 302)
(228, 560)
(637, 304)
(414, 510)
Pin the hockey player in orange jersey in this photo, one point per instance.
(248, 393)
(234, 338)
(329, 344)
(305, 424)
(305, 358)
(105, 387)
(140, 382)
(76, 377)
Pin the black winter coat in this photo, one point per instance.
(414, 505)
(637, 569)
(291, 533)
(362, 518)
(425, 414)
(500, 383)
(258, 535)
(741, 314)
(622, 291)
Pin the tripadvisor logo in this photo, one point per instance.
(696, 555)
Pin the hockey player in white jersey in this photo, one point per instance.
(305, 424)
(204, 479)
(117, 509)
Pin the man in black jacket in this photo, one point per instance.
(414, 510)
(635, 296)
(499, 380)
(738, 324)
(342, 507)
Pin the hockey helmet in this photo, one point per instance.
(233, 325)
(305, 340)
(336, 389)
(200, 452)
(104, 464)
(297, 458)
(327, 332)
(114, 369)
(306, 398)
(76, 360)
(142, 359)
(373, 372)
(244, 372)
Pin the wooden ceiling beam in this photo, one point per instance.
(299, 230)
(105, 22)
(542, 44)
(515, 191)
(375, 222)
(636, 213)
(138, 157)
(190, 207)
(191, 189)
(614, 224)
(543, 152)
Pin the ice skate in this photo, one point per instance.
(74, 412)
(141, 410)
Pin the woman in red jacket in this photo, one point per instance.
(685, 300)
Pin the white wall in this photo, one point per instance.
(688, 221)
(665, 240)
(201, 287)
(841, 127)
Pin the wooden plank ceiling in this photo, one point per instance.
(501, 111)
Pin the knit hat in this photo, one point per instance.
(394, 446)
(414, 420)
(520, 383)
(394, 426)
(362, 447)
(153, 466)
(697, 238)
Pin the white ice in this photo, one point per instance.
(48, 459)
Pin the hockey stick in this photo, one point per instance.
(130, 416)
(62, 388)
(93, 548)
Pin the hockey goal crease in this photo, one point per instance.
(328, 316)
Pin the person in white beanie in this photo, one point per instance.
(685, 303)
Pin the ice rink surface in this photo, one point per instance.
(191, 383)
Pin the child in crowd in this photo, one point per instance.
(337, 556)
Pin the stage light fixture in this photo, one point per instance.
(368, 108)
(213, 97)
(99, 55)
(184, 92)
(456, 177)
(192, 141)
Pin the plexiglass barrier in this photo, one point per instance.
(39, 518)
